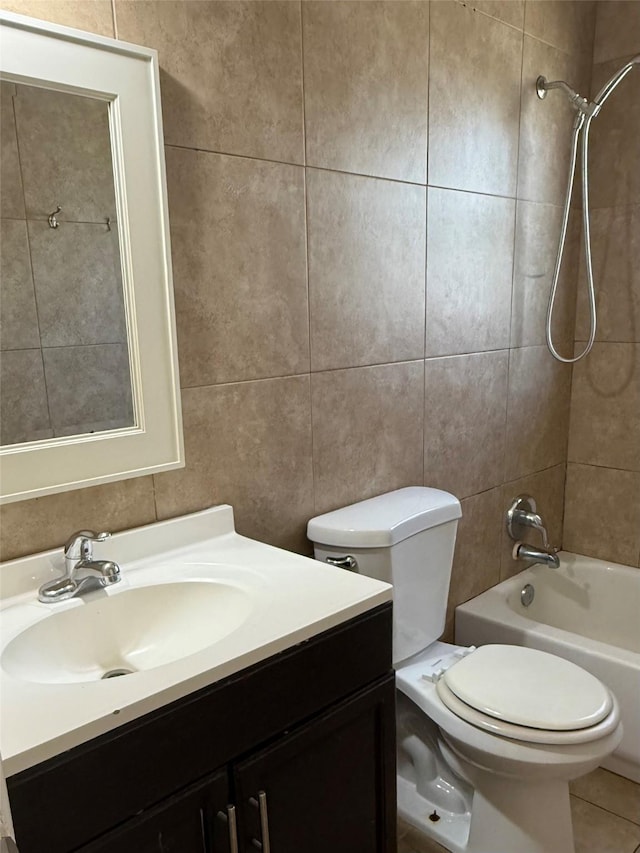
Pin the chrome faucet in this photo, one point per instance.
(522, 551)
(83, 573)
(523, 514)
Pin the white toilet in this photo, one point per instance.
(488, 738)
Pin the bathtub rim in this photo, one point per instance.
(492, 605)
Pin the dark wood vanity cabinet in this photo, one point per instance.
(325, 786)
(299, 750)
(188, 822)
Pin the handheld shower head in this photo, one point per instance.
(581, 104)
(611, 84)
(586, 111)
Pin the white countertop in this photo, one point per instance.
(292, 598)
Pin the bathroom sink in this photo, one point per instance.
(128, 631)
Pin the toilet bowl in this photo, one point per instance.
(509, 782)
(488, 738)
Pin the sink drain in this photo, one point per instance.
(115, 673)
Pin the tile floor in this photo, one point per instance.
(606, 817)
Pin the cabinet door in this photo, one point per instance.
(193, 821)
(328, 786)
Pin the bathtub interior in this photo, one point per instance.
(600, 600)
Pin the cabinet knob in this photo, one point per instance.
(261, 805)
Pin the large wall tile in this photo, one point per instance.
(566, 24)
(602, 513)
(617, 28)
(23, 397)
(95, 16)
(469, 272)
(238, 241)
(65, 155)
(366, 84)
(231, 78)
(476, 561)
(474, 99)
(12, 197)
(547, 489)
(464, 422)
(366, 270)
(42, 523)
(538, 229)
(88, 388)
(231, 73)
(615, 250)
(18, 315)
(77, 275)
(602, 516)
(511, 12)
(367, 432)
(537, 411)
(248, 445)
(614, 153)
(605, 407)
(545, 125)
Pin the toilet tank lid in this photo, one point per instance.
(384, 520)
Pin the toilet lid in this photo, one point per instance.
(527, 734)
(529, 688)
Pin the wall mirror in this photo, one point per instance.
(89, 386)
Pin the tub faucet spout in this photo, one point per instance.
(546, 556)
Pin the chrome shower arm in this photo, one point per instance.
(576, 100)
(543, 85)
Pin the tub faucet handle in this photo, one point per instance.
(532, 519)
(523, 514)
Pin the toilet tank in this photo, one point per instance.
(406, 538)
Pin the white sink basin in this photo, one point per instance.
(102, 636)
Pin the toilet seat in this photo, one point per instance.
(527, 695)
(501, 728)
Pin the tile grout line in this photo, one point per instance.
(352, 174)
(114, 19)
(412, 360)
(605, 467)
(507, 407)
(606, 810)
(523, 30)
(307, 272)
(426, 255)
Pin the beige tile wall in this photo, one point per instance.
(602, 511)
(361, 257)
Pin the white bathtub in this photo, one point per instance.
(587, 611)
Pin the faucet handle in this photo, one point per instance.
(79, 544)
(522, 514)
(531, 519)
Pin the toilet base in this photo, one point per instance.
(527, 818)
(452, 830)
(477, 810)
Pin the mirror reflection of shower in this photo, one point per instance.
(585, 112)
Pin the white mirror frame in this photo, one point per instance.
(41, 54)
